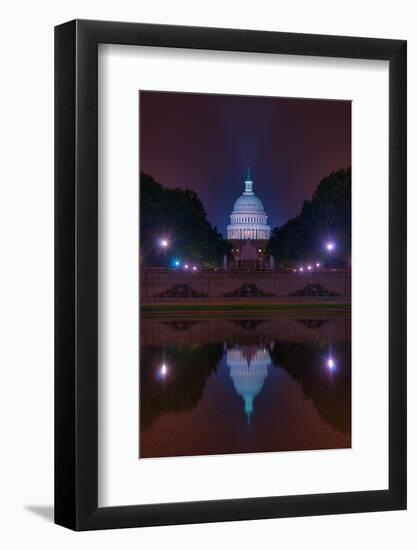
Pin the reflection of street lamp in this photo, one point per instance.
(162, 372)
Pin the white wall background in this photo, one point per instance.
(26, 289)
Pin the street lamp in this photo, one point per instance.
(330, 363)
(164, 244)
(330, 248)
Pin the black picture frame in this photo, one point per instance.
(76, 273)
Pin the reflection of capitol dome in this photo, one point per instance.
(248, 370)
(248, 219)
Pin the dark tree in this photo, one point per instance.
(327, 216)
(178, 215)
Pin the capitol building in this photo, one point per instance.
(248, 219)
(248, 232)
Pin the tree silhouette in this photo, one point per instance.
(326, 216)
(179, 215)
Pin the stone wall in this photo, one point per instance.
(164, 286)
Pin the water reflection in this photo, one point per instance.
(190, 365)
(323, 372)
(248, 370)
(210, 386)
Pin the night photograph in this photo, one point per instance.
(245, 274)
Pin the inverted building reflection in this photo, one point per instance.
(248, 370)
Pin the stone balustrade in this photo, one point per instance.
(164, 286)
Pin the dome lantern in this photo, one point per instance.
(248, 184)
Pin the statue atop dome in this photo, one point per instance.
(248, 184)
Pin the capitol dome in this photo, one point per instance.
(247, 204)
(248, 219)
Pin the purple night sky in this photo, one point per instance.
(206, 142)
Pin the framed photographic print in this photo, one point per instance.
(230, 275)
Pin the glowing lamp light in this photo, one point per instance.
(194, 268)
(330, 363)
(186, 266)
(309, 267)
(330, 246)
(318, 264)
(162, 372)
(164, 243)
(301, 269)
(295, 271)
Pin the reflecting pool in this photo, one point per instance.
(245, 384)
